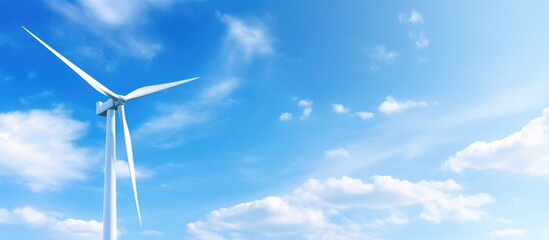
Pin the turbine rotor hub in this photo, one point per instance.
(119, 101)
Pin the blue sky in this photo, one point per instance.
(310, 120)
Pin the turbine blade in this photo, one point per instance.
(143, 91)
(90, 80)
(129, 154)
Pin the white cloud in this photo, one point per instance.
(123, 171)
(525, 151)
(507, 233)
(71, 229)
(365, 115)
(78, 229)
(31, 216)
(38, 147)
(337, 152)
(272, 215)
(438, 199)
(391, 105)
(245, 38)
(381, 54)
(25, 215)
(318, 210)
(286, 116)
(339, 108)
(307, 106)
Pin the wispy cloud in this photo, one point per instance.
(35, 97)
(32, 74)
(317, 210)
(153, 233)
(394, 219)
(48, 161)
(392, 105)
(173, 118)
(524, 151)
(4, 77)
(337, 152)
(420, 39)
(507, 233)
(365, 115)
(118, 24)
(245, 40)
(123, 171)
(219, 91)
(177, 118)
(381, 54)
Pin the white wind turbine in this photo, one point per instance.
(115, 102)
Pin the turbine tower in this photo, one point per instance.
(108, 109)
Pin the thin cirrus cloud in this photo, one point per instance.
(71, 229)
(391, 105)
(507, 233)
(525, 151)
(381, 54)
(46, 162)
(118, 23)
(317, 210)
(365, 115)
(243, 42)
(176, 117)
(420, 40)
(338, 152)
(123, 171)
(245, 38)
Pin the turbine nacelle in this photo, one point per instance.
(102, 107)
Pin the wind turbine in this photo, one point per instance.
(108, 108)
